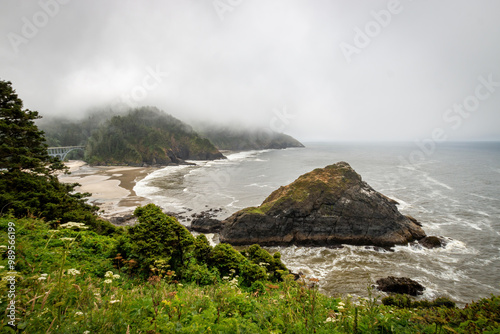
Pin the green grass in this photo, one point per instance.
(94, 300)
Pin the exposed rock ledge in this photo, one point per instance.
(327, 206)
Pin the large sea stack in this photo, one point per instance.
(327, 206)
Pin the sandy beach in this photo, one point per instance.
(111, 187)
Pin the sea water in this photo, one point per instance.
(451, 188)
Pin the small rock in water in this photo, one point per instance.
(433, 242)
(401, 285)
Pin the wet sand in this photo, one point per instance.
(112, 188)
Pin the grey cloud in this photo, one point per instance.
(262, 56)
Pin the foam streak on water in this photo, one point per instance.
(453, 193)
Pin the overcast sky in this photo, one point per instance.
(316, 69)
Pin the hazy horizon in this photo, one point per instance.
(326, 70)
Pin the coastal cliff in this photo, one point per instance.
(327, 206)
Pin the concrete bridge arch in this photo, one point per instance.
(62, 152)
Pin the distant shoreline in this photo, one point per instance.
(112, 187)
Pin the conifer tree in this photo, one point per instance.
(22, 144)
(28, 183)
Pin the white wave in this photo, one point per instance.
(402, 205)
(258, 185)
(155, 194)
(486, 197)
(243, 155)
(428, 178)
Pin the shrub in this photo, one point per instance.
(202, 248)
(251, 272)
(158, 236)
(262, 257)
(225, 258)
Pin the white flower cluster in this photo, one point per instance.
(67, 239)
(73, 272)
(110, 276)
(42, 277)
(74, 225)
(232, 282)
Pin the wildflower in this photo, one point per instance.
(108, 281)
(341, 304)
(74, 225)
(232, 271)
(340, 307)
(233, 283)
(114, 301)
(67, 239)
(78, 313)
(86, 332)
(73, 272)
(3, 246)
(53, 231)
(263, 264)
(43, 275)
(116, 276)
(1, 267)
(329, 319)
(42, 278)
(108, 274)
(225, 278)
(97, 294)
(180, 284)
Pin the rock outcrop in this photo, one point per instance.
(400, 285)
(206, 225)
(328, 206)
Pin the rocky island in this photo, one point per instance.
(327, 206)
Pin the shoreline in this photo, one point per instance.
(112, 187)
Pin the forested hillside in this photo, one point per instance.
(147, 136)
(150, 136)
(241, 139)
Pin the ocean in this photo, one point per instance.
(451, 188)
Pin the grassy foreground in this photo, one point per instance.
(73, 281)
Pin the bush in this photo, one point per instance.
(200, 274)
(262, 257)
(202, 248)
(251, 272)
(405, 301)
(158, 236)
(225, 258)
